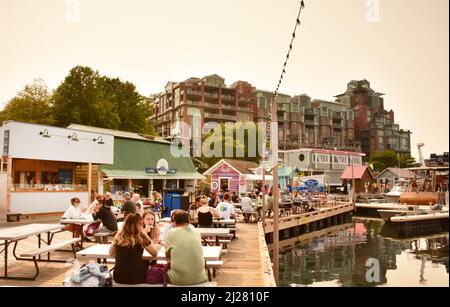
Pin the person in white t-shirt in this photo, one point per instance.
(73, 212)
(226, 208)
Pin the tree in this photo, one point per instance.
(88, 98)
(226, 141)
(31, 105)
(407, 161)
(81, 100)
(384, 159)
(132, 110)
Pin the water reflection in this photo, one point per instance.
(338, 257)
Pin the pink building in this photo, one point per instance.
(235, 176)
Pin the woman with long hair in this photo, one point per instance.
(150, 226)
(128, 247)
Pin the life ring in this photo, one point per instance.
(215, 185)
(242, 182)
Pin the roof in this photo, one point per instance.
(132, 157)
(240, 166)
(358, 172)
(398, 172)
(117, 133)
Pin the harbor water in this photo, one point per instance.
(365, 253)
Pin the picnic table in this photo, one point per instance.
(16, 234)
(210, 232)
(101, 251)
(81, 222)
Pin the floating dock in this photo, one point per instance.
(298, 224)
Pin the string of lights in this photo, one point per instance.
(283, 72)
(297, 23)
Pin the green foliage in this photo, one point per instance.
(31, 105)
(84, 97)
(249, 129)
(378, 166)
(407, 161)
(384, 159)
(88, 98)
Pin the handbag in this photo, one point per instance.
(157, 274)
(89, 232)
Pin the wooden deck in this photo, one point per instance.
(295, 220)
(245, 265)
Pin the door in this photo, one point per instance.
(224, 183)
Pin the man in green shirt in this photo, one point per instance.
(185, 252)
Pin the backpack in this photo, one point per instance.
(157, 274)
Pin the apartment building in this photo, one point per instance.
(356, 121)
(375, 127)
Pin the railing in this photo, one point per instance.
(309, 122)
(23, 187)
(228, 97)
(211, 105)
(196, 93)
(228, 107)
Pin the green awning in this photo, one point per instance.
(132, 157)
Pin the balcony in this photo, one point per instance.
(193, 103)
(211, 95)
(211, 105)
(309, 122)
(245, 109)
(337, 116)
(228, 107)
(194, 93)
(228, 98)
(338, 125)
(310, 112)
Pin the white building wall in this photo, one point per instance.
(26, 142)
(44, 202)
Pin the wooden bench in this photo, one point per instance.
(224, 242)
(213, 264)
(32, 255)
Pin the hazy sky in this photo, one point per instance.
(149, 42)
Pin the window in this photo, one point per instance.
(25, 177)
(49, 177)
(225, 167)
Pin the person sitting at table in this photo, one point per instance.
(90, 209)
(226, 208)
(127, 248)
(109, 223)
(74, 212)
(137, 200)
(150, 226)
(247, 207)
(235, 197)
(184, 252)
(193, 209)
(128, 207)
(213, 200)
(205, 214)
(107, 200)
(166, 230)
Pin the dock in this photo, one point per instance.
(297, 224)
(246, 264)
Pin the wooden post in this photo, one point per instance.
(264, 184)
(353, 187)
(274, 147)
(9, 183)
(89, 182)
